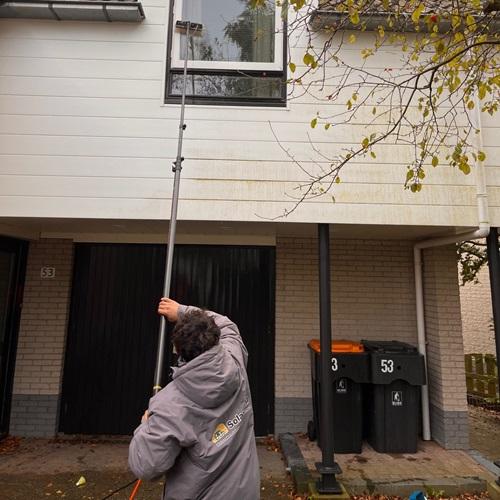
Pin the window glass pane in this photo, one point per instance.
(237, 87)
(232, 31)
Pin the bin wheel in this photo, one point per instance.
(311, 431)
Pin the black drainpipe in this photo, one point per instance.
(327, 467)
(494, 266)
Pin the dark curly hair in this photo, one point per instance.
(194, 333)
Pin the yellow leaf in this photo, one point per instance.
(308, 59)
(354, 17)
(471, 22)
(481, 156)
(435, 161)
(415, 17)
(352, 38)
(81, 481)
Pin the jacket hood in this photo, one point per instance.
(210, 379)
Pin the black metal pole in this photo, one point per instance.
(494, 267)
(327, 467)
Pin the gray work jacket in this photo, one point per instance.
(200, 431)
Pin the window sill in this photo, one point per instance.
(286, 107)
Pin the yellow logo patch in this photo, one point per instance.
(220, 431)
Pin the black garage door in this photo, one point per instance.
(113, 328)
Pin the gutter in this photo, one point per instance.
(323, 18)
(482, 231)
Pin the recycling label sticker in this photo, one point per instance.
(397, 398)
(341, 386)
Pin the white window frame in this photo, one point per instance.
(277, 65)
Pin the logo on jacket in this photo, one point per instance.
(220, 432)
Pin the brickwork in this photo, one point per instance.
(292, 414)
(477, 316)
(372, 298)
(445, 361)
(34, 415)
(42, 334)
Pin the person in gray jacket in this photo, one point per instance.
(198, 431)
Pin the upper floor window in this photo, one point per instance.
(237, 58)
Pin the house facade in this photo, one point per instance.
(89, 123)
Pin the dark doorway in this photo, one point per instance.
(12, 273)
(112, 340)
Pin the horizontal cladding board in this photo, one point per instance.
(388, 60)
(151, 108)
(25, 66)
(235, 190)
(491, 136)
(205, 149)
(95, 49)
(104, 208)
(76, 87)
(315, 96)
(159, 168)
(207, 129)
(75, 30)
(78, 49)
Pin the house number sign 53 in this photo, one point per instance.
(47, 272)
(386, 365)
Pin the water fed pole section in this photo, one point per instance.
(189, 29)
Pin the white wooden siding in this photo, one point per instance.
(84, 134)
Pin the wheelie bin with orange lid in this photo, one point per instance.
(350, 367)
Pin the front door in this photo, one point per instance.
(12, 270)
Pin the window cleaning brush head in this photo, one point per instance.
(194, 28)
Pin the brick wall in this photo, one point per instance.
(372, 298)
(40, 351)
(477, 316)
(445, 361)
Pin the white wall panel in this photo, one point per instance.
(83, 133)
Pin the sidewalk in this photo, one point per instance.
(432, 469)
(35, 469)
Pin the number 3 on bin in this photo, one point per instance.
(386, 365)
(335, 365)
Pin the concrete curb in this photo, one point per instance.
(295, 463)
(450, 486)
(484, 462)
(494, 491)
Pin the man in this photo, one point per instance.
(198, 430)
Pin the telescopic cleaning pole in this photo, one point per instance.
(189, 29)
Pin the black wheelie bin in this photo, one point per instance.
(392, 399)
(350, 367)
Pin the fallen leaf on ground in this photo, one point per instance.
(81, 481)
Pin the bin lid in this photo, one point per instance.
(346, 346)
(388, 346)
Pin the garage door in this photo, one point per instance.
(113, 327)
